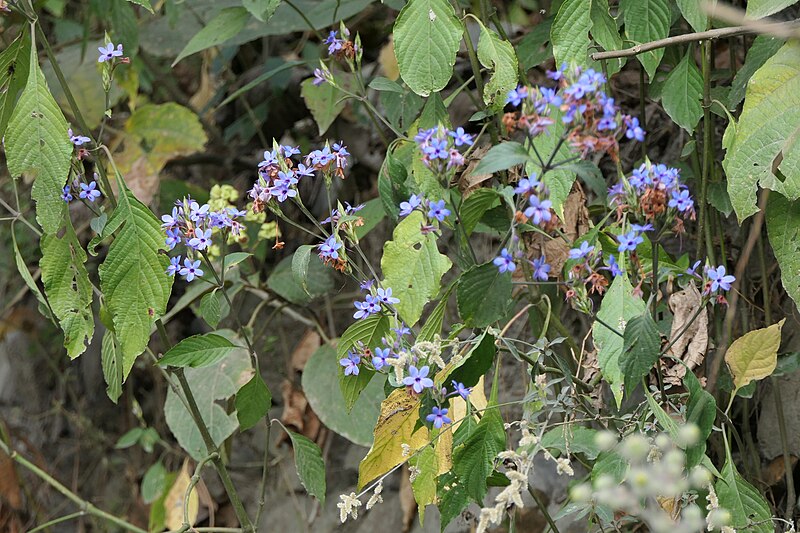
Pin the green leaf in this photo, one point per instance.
(763, 48)
(474, 461)
(129, 439)
(214, 307)
(154, 482)
(198, 351)
(641, 347)
(36, 143)
(112, 363)
(749, 511)
(310, 465)
(534, 48)
(606, 33)
(569, 438)
(324, 101)
(619, 305)
(367, 331)
(67, 286)
(683, 92)
(754, 355)
(453, 499)
(125, 28)
(433, 324)
(427, 35)
(701, 411)
(694, 14)
(476, 363)
(166, 130)
(226, 24)
(501, 157)
(320, 385)
(413, 267)
(320, 281)
(144, 3)
(770, 116)
(612, 464)
(484, 295)
(496, 54)
(261, 9)
(570, 33)
(476, 205)
(783, 229)
(252, 402)
(424, 484)
(14, 68)
(385, 84)
(300, 265)
(645, 21)
(44, 306)
(559, 181)
(757, 9)
(209, 385)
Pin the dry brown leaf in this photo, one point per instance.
(174, 501)
(469, 182)
(775, 471)
(407, 502)
(671, 505)
(208, 85)
(692, 345)
(309, 343)
(9, 483)
(297, 414)
(574, 224)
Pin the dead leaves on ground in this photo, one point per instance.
(692, 345)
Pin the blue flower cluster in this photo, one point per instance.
(654, 193)
(373, 301)
(340, 46)
(433, 210)
(85, 191)
(441, 148)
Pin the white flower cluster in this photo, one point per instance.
(511, 495)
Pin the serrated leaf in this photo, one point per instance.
(770, 116)
(252, 402)
(413, 267)
(453, 500)
(645, 21)
(682, 94)
(310, 465)
(476, 205)
(67, 286)
(484, 295)
(261, 9)
(132, 277)
(213, 307)
(619, 305)
(641, 347)
(754, 355)
(570, 33)
(606, 33)
(783, 229)
(367, 332)
(324, 101)
(474, 364)
(424, 484)
(763, 47)
(14, 69)
(474, 461)
(36, 143)
(496, 54)
(226, 24)
(501, 157)
(427, 35)
(749, 511)
(761, 8)
(198, 351)
(154, 482)
(300, 265)
(144, 3)
(112, 363)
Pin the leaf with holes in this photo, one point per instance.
(426, 40)
(198, 351)
(496, 54)
(645, 21)
(683, 91)
(754, 355)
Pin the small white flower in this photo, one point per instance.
(376, 496)
(414, 473)
(406, 449)
(563, 466)
(348, 505)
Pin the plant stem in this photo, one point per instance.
(543, 509)
(704, 227)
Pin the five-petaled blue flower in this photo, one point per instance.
(77, 140)
(629, 241)
(438, 211)
(515, 96)
(681, 200)
(385, 296)
(407, 207)
(719, 279)
(108, 53)
(89, 192)
(541, 270)
(350, 364)
(613, 266)
(526, 185)
(581, 252)
(460, 137)
(505, 261)
(380, 357)
(460, 389)
(438, 416)
(418, 379)
(328, 249)
(369, 306)
(174, 265)
(201, 239)
(634, 130)
(402, 330)
(539, 210)
(66, 195)
(191, 269)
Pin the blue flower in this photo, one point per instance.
(638, 228)
(77, 140)
(350, 364)
(334, 43)
(108, 53)
(505, 262)
(581, 252)
(418, 379)
(438, 417)
(693, 270)
(174, 266)
(539, 210)
(681, 200)
(613, 266)
(191, 269)
(402, 331)
(328, 249)
(460, 389)
(515, 96)
(438, 211)
(385, 296)
(460, 137)
(170, 221)
(437, 149)
(606, 123)
(526, 185)
(381, 355)
(319, 77)
(198, 212)
(303, 170)
(366, 284)
(289, 151)
(558, 73)
(719, 279)
(634, 130)
(541, 269)
(201, 239)
(629, 242)
(174, 238)
(407, 207)
(66, 195)
(89, 192)
(369, 306)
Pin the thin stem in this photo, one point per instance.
(543, 509)
(704, 227)
(195, 479)
(262, 492)
(65, 518)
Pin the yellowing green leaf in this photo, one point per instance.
(753, 356)
(166, 131)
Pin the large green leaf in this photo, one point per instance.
(763, 47)
(501, 157)
(14, 68)
(166, 130)
(749, 511)
(198, 351)
(252, 402)
(36, 143)
(67, 286)
(762, 8)
(426, 40)
(570, 32)
(496, 54)
(222, 27)
(368, 333)
(694, 14)
(618, 307)
(682, 93)
(132, 277)
(310, 465)
(771, 115)
(783, 229)
(483, 295)
(647, 20)
(413, 267)
(641, 346)
(606, 33)
(473, 462)
(320, 385)
(324, 101)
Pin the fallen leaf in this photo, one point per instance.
(309, 343)
(468, 181)
(692, 345)
(298, 415)
(775, 471)
(174, 502)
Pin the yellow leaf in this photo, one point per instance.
(166, 131)
(173, 503)
(754, 355)
(388, 61)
